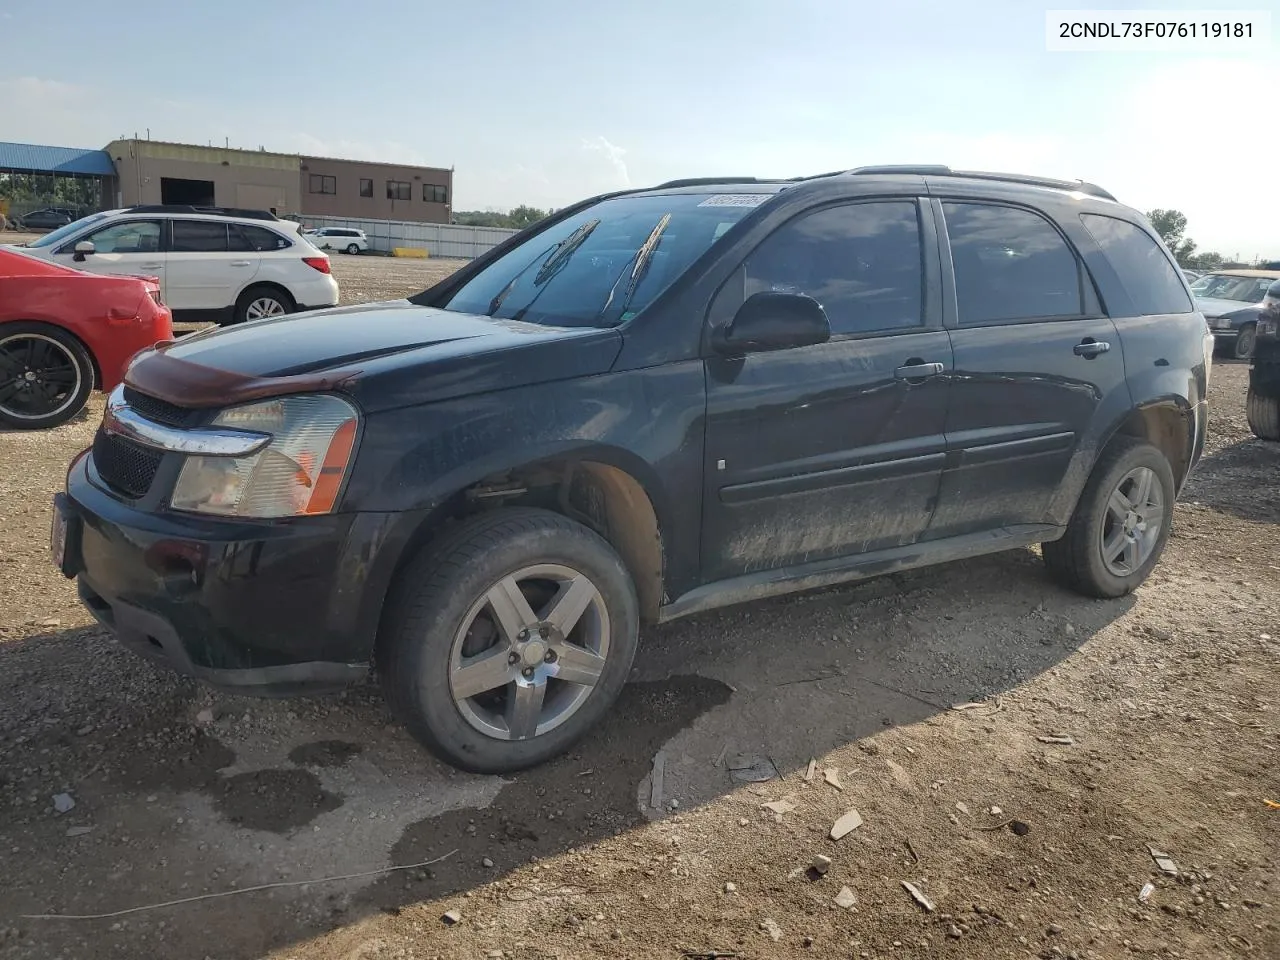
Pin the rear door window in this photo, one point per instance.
(1010, 264)
(1143, 268)
(199, 236)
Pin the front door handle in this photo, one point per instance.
(152, 266)
(1090, 348)
(918, 370)
(239, 263)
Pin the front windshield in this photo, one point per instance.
(57, 236)
(605, 263)
(1218, 286)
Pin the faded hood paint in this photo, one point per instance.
(413, 354)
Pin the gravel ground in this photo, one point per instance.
(1168, 698)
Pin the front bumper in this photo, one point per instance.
(268, 608)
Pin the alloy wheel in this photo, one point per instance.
(264, 307)
(39, 377)
(1132, 523)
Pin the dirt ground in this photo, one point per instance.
(1169, 699)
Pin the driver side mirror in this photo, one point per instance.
(774, 321)
(84, 249)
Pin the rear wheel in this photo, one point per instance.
(1245, 341)
(353, 249)
(1121, 524)
(46, 376)
(1263, 413)
(509, 640)
(258, 303)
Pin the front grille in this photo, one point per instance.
(124, 465)
(160, 411)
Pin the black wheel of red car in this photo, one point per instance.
(1121, 524)
(46, 376)
(509, 639)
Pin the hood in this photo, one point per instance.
(385, 355)
(1212, 307)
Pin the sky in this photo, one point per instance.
(547, 101)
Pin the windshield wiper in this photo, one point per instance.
(556, 257)
(639, 265)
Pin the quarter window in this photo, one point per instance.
(132, 236)
(366, 188)
(256, 238)
(323, 184)
(1010, 264)
(860, 261)
(399, 190)
(199, 236)
(1143, 268)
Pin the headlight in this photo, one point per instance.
(299, 472)
(1220, 323)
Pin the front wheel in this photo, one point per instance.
(1263, 413)
(46, 376)
(1245, 341)
(509, 640)
(1121, 524)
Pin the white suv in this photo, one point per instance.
(214, 264)
(338, 238)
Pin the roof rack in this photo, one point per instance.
(704, 181)
(938, 170)
(191, 208)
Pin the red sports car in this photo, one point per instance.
(63, 332)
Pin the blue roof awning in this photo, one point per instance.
(33, 158)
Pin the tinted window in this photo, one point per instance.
(1010, 264)
(861, 262)
(132, 236)
(1144, 269)
(260, 238)
(199, 236)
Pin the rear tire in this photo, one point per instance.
(452, 627)
(46, 376)
(1127, 506)
(1243, 347)
(1263, 413)
(261, 302)
(353, 249)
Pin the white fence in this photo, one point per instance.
(438, 239)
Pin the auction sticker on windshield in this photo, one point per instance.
(735, 200)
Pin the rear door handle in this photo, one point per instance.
(152, 266)
(1090, 348)
(240, 263)
(918, 370)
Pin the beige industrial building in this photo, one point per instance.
(152, 171)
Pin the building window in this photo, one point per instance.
(366, 188)
(399, 190)
(322, 184)
(435, 193)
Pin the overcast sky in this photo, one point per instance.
(543, 102)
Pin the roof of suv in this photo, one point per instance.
(759, 185)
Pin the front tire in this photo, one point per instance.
(1120, 526)
(1263, 413)
(1245, 340)
(262, 302)
(509, 640)
(46, 376)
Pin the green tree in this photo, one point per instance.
(1172, 227)
(517, 219)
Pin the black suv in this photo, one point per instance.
(1262, 406)
(650, 404)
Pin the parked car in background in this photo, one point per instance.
(1230, 301)
(1192, 275)
(48, 218)
(215, 265)
(346, 239)
(1262, 404)
(64, 331)
(646, 405)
